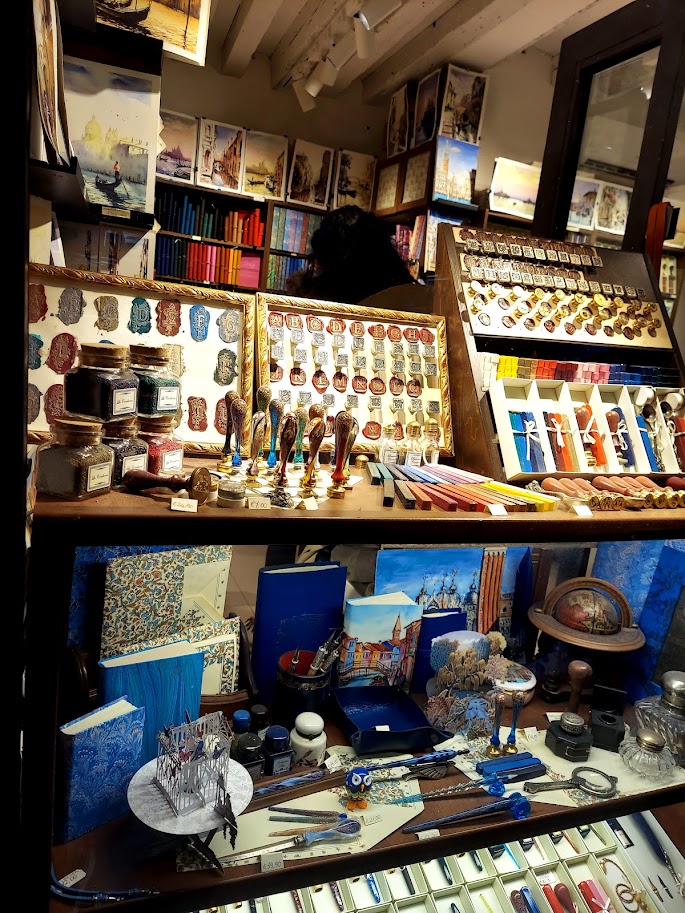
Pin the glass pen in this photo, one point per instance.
(373, 886)
(445, 869)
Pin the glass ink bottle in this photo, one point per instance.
(247, 750)
(277, 751)
(387, 446)
(164, 448)
(159, 391)
(431, 444)
(74, 464)
(665, 713)
(101, 385)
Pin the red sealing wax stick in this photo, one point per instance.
(548, 891)
(594, 898)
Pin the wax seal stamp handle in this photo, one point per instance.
(316, 433)
(580, 674)
(263, 398)
(288, 433)
(301, 417)
(275, 416)
(352, 437)
(344, 423)
(228, 399)
(258, 429)
(238, 414)
(140, 480)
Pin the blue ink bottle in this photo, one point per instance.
(278, 753)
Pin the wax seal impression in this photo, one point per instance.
(414, 387)
(297, 376)
(377, 331)
(314, 324)
(340, 381)
(275, 372)
(394, 333)
(276, 319)
(396, 385)
(411, 334)
(336, 325)
(359, 383)
(357, 328)
(320, 381)
(293, 321)
(372, 431)
(427, 337)
(377, 385)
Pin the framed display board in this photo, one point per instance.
(381, 366)
(210, 332)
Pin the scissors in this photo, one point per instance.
(584, 778)
(346, 830)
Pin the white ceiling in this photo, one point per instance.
(414, 39)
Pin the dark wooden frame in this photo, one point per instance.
(641, 25)
(399, 161)
(426, 149)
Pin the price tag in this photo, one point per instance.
(116, 213)
(428, 835)
(531, 734)
(382, 728)
(310, 503)
(582, 510)
(372, 818)
(271, 862)
(553, 715)
(333, 763)
(258, 502)
(72, 878)
(185, 505)
(497, 510)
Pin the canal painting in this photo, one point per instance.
(264, 170)
(113, 118)
(176, 162)
(380, 636)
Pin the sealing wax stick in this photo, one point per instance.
(564, 897)
(552, 900)
(594, 898)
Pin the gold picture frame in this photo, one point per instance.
(69, 306)
(435, 387)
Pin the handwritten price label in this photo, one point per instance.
(185, 505)
(272, 862)
(258, 503)
(372, 818)
(72, 878)
(428, 835)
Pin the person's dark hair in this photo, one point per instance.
(353, 257)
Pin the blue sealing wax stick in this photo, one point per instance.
(497, 764)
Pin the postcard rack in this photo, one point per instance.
(566, 358)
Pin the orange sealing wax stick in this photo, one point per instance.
(590, 434)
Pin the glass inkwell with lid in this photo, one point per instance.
(74, 464)
(665, 713)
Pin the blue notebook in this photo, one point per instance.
(99, 754)
(166, 680)
(432, 625)
(297, 605)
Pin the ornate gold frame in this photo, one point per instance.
(266, 301)
(185, 294)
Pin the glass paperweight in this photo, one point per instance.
(665, 713)
(646, 754)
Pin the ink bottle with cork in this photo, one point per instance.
(74, 464)
(247, 751)
(101, 386)
(164, 448)
(278, 753)
(308, 739)
(387, 446)
(665, 713)
(159, 390)
(130, 452)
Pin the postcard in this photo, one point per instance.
(455, 170)
(514, 188)
(426, 108)
(220, 155)
(582, 210)
(462, 104)
(612, 207)
(354, 178)
(177, 160)
(264, 171)
(310, 174)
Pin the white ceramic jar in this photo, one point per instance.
(308, 740)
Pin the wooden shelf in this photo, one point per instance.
(63, 185)
(177, 234)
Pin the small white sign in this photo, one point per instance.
(72, 878)
(258, 502)
(372, 818)
(497, 510)
(271, 862)
(185, 505)
(382, 728)
(582, 510)
(333, 763)
(428, 835)
(531, 734)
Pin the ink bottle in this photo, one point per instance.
(240, 722)
(665, 713)
(74, 464)
(130, 452)
(277, 751)
(646, 754)
(247, 750)
(410, 450)
(159, 391)
(259, 721)
(101, 386)
(569, 737)
(387, 446)
(431, 445)
(308, 739)
(164, 448)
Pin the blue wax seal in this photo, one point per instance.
(35, 345)
(140, 319)
(199, 322)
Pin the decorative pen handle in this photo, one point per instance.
(344, 423)
(288, 432)
(258, 429)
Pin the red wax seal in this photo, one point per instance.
(399, 431)
(220, 415)
(377, 386)
(336, 325)
(427, 338)
(275, 319)
(320, 381)
(359, 383)
(169, 317)
(330, 426)
(340, 381)
(314, 324)
(377, 330)
(591, 329)
(275, 372)
(570, 328)
(357, 328)
(394, 333)
(414, 387)
(293, 321)
(53, 402)
(411, 334)
(297, 376)
(372, 430)
(197, 413)
(63, 350)
(38, 303)
(396, 385)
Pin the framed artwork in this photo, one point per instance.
(581, 214)
(355, 172)
(612, 207)
(514, 188)
(387, 188)
(432, 222)
(264, 171)
(220, 155)
(455, 170)
(113, 118)
(398, 123)
(47, 33)
(678, 240)
(426, 108)
(311, 170)
(415, 186)
(211, 334)
(462, 106)
(178, 159)
(381, 366)
(182, 28)
(106, 248)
